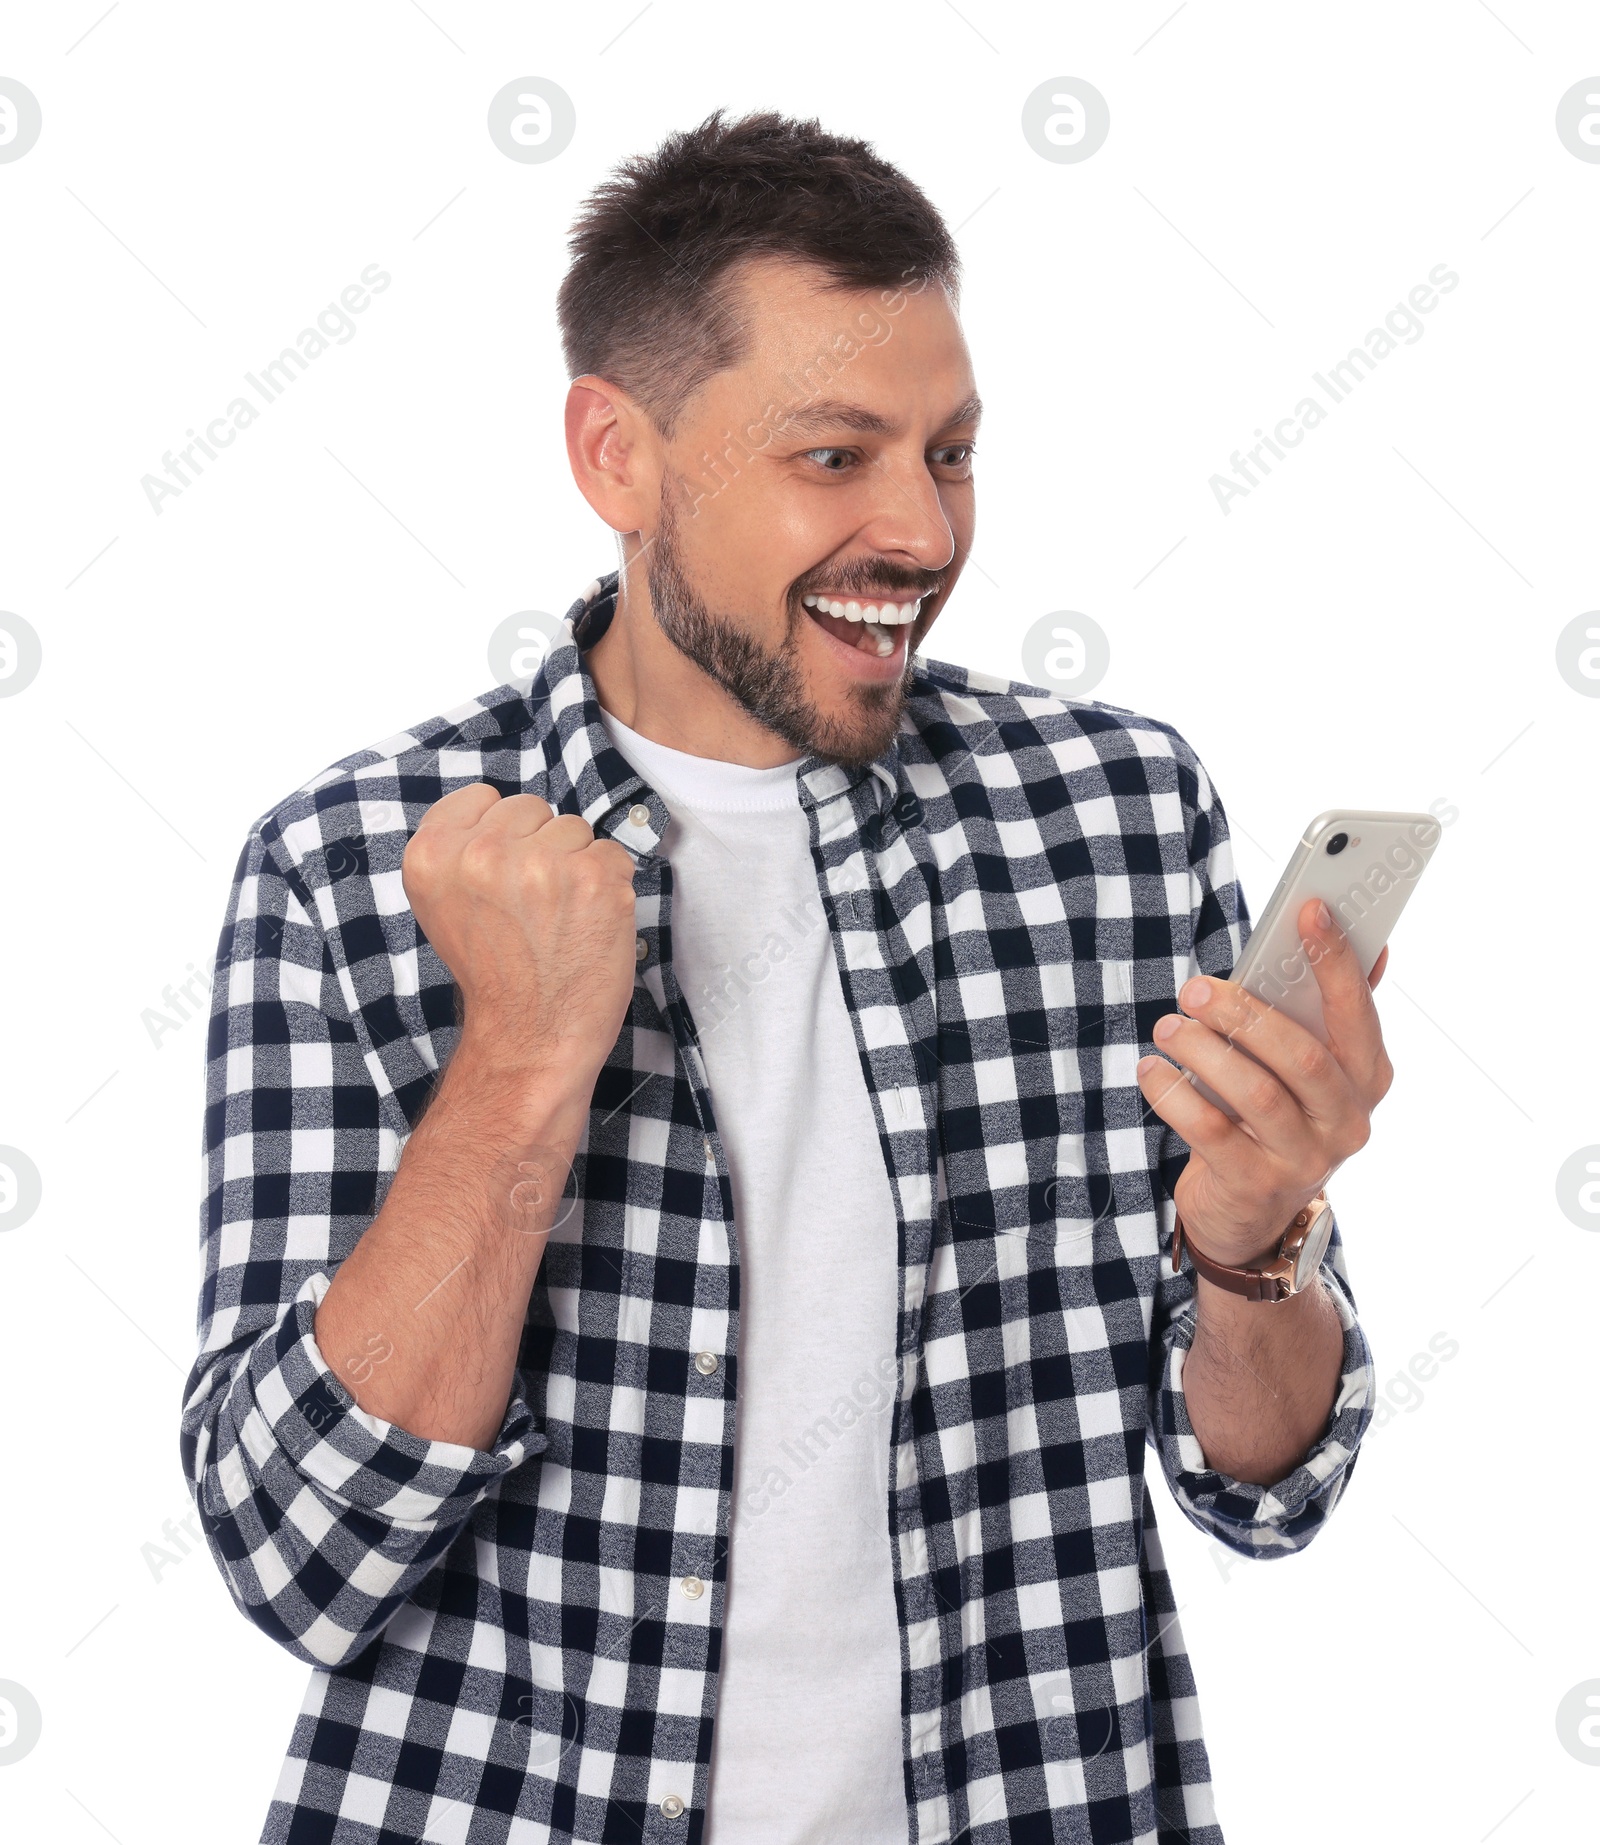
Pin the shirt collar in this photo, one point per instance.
(610, 794)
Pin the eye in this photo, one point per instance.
(834, 460)
(957, 455)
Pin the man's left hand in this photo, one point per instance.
(1304, 1107)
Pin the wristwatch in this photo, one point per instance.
(1293, 1266)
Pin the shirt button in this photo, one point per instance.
(641, 949)
(639, 815)
(693, 1587)
(672, 1807)
(705, 1363)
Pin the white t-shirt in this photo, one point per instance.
(807, 1739)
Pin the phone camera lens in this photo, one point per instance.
(1337, 843)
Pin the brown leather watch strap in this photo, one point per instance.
(1274, 1280)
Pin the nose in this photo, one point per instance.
(906, 519)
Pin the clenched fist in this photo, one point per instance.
(533, 916)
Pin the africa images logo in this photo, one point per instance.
(1401, 325)
(333, 326)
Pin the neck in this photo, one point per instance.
(653, 688)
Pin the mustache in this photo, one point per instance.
(868, 580)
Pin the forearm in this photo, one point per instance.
(423, 1320)
(1260, 1379)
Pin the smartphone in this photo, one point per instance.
(1364, 866)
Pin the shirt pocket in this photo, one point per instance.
(1071, 1208)
(1085, 1216)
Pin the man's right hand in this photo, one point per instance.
(534, 918)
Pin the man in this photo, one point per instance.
(689, 1237)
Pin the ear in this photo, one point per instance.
(615, 453)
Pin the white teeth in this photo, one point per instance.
(886, 614)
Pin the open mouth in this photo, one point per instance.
(868, 623)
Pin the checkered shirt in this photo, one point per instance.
(502, 1649)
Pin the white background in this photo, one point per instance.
(1374, 625)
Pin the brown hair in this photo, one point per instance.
(648, 298)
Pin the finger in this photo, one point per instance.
(1354, 1035)
(517, 816)
(568, 833)
(1304, 1065)
(1219, 1142)
(463, 808)
(617, 857)
(1265, 1107)
(1378, 966)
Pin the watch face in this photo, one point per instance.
(1314, 1249)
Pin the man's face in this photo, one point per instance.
(830, 470)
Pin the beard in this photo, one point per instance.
(769, 685)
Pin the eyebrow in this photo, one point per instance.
(834, 413)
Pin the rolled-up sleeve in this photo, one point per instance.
(322, 1517)
(1285, 1515)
